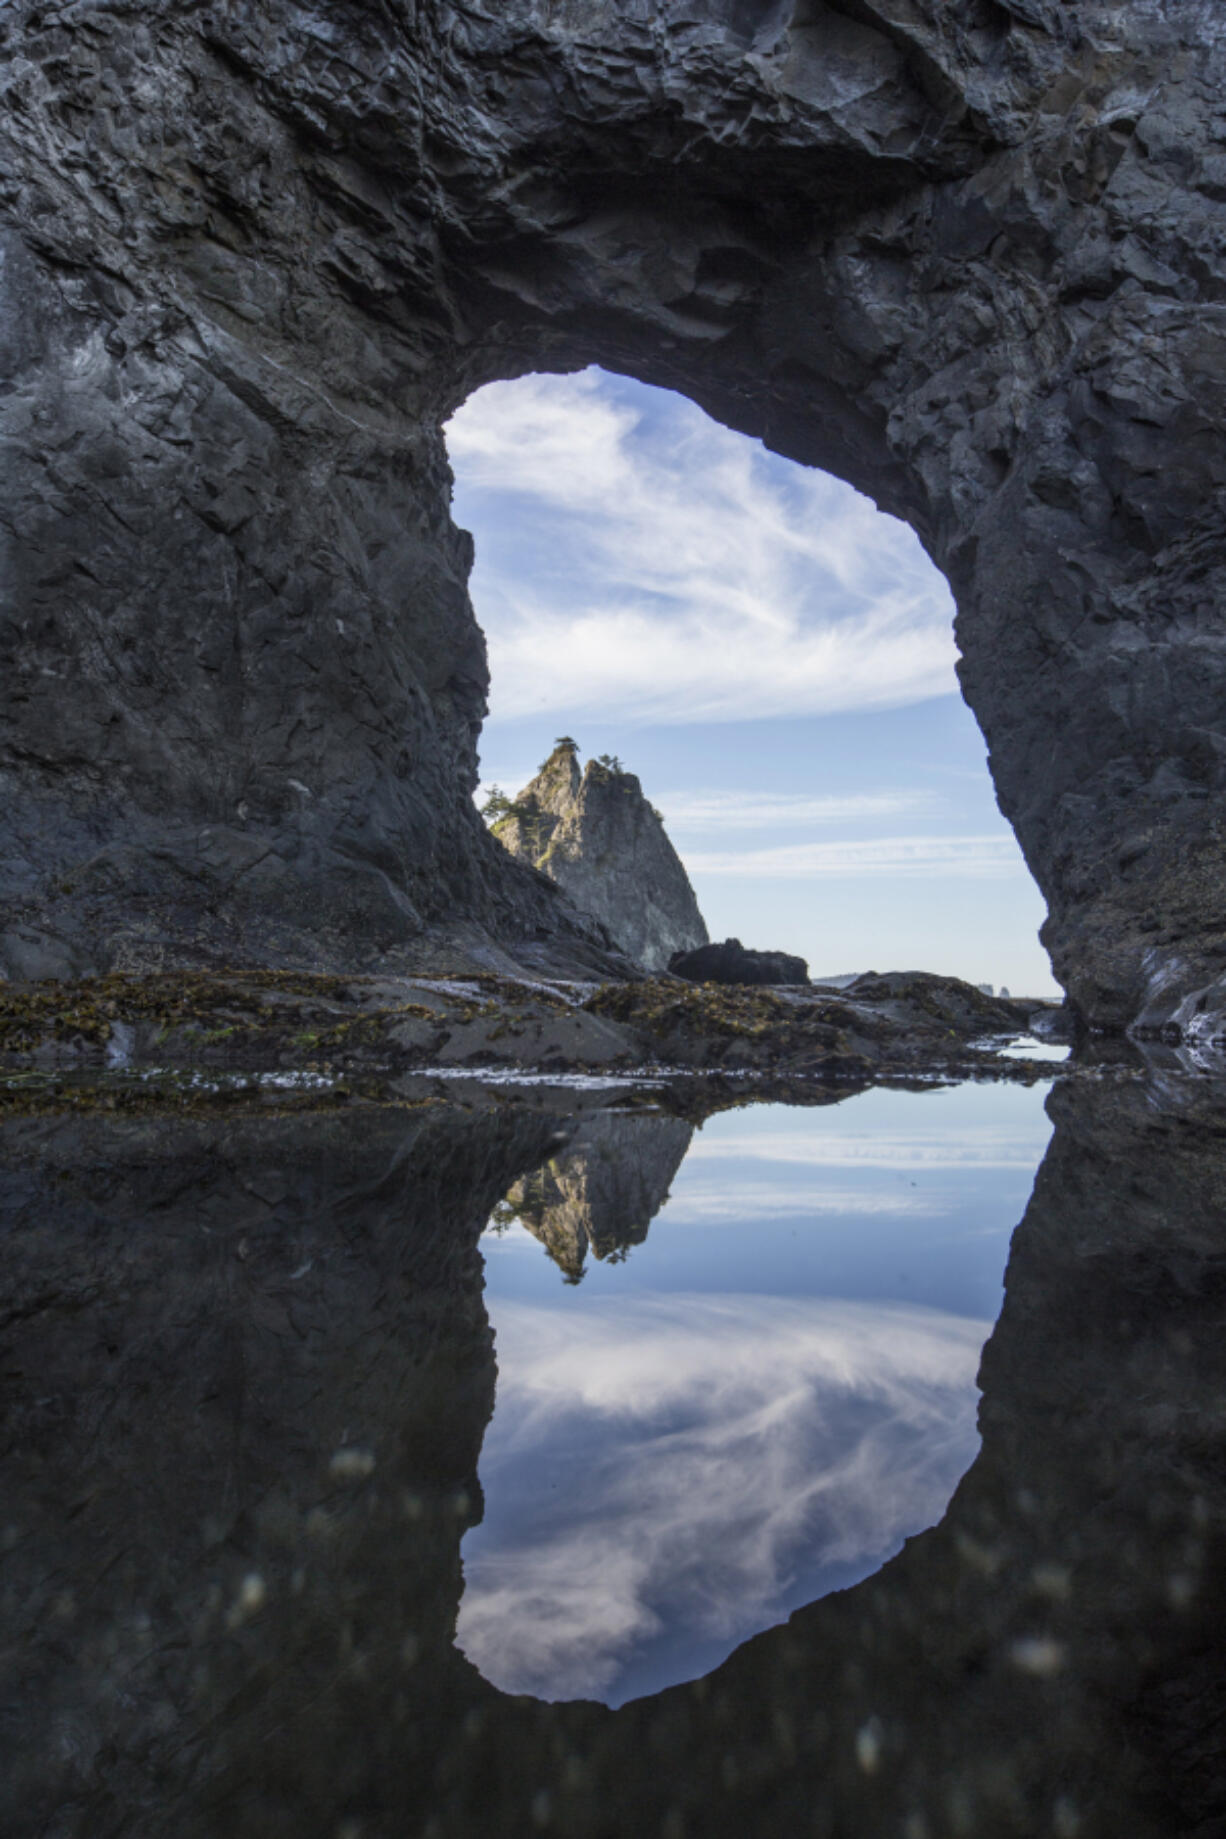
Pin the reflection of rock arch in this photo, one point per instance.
(247, 1372)
(964, 256)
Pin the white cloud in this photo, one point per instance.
(739, 810)
(694, 1467)
(975, 857)
(680, 573)
(722, 810)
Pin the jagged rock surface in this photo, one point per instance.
(595, 834)
(732, 962)
(967, 255)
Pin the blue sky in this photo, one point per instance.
(769, 653)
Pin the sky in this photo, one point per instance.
(773, 657)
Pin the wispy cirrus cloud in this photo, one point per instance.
(720, 810)
(700, 810)
(647, 564)
(932, 857)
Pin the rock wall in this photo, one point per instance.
(595, 834)
(968, 256)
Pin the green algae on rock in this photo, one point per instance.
(298, 1022)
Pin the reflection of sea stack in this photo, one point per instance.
(603, 1191)
(595, 834)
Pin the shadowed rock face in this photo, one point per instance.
(246, 1376)
(594, 833)
(967, 256)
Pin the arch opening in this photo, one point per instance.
(771, 655)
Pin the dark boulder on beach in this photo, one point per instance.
(732, 962)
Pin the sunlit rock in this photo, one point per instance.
(594, 833)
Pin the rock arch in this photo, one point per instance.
(970, 257)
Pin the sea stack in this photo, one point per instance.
(593, 832)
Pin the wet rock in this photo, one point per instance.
(307, 1026)
(1054, 1022)
(949, 1002)
(595, 834)
(733, 962)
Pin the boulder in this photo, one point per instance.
(733, 962)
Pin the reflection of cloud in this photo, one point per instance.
(695, 1203)
(972, 1147)
(636, 559)
(686, 1470)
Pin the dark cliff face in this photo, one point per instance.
(968, 256)
(595, 834)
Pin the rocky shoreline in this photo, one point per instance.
(303, 1036)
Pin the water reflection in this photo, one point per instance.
(774, 1392)
(678, 1478)
(214, 1627)
(602, 1193)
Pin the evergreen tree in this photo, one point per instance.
(497, 806)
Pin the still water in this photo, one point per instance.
(736, 1370)
(342, 1448)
